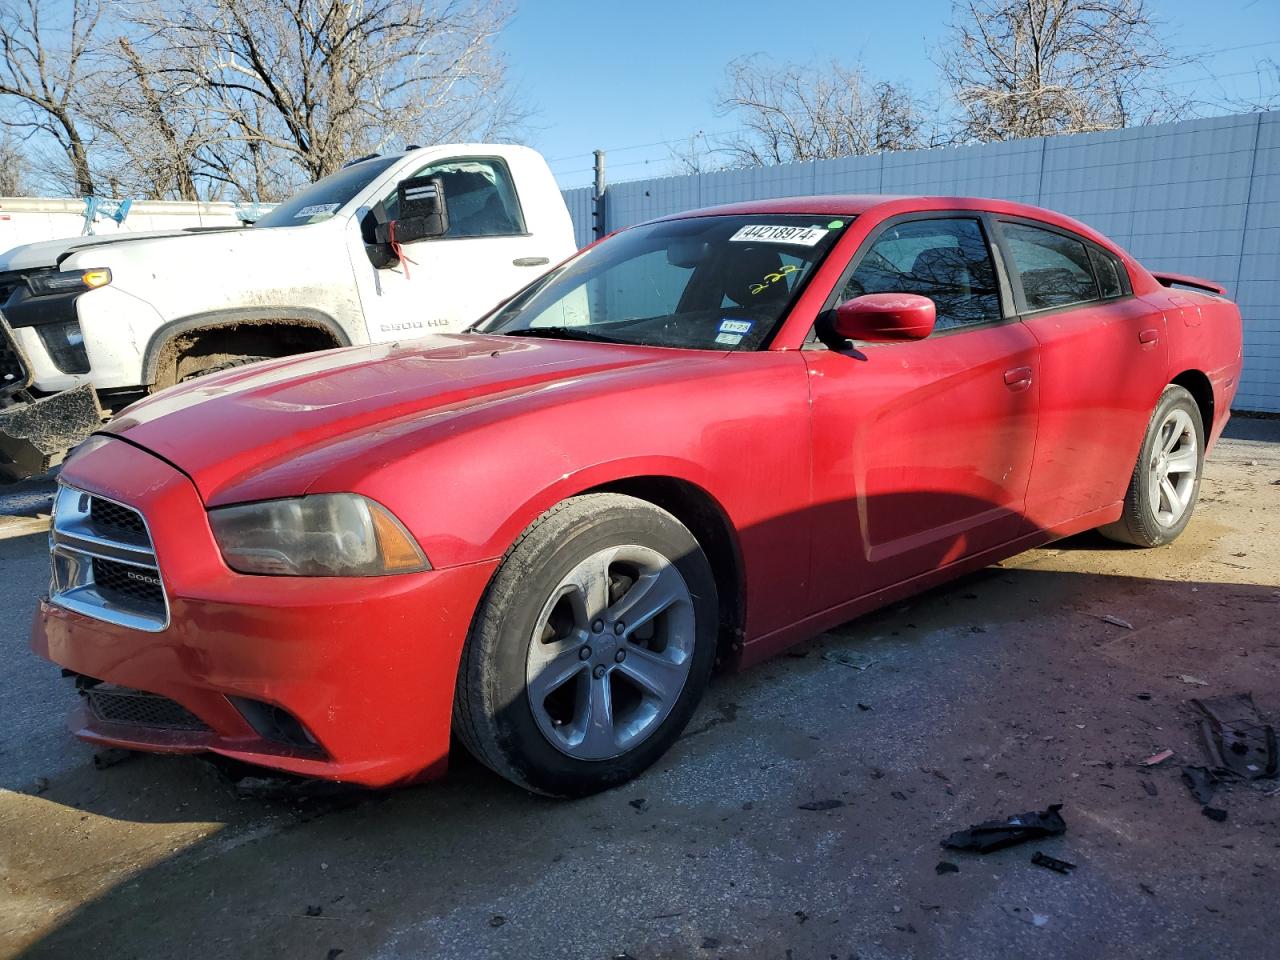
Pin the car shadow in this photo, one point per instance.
(382, 873)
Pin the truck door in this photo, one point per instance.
(444, 284)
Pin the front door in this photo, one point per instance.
(922, 450)
(445, 284)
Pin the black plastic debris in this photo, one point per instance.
(1214, 813)
(1052, 863)
(111, 756)
(998, 834)
(822, 804)
(1200, 782)
(1238, 741)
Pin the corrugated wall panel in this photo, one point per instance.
(1258, 289)
(580, 204)
(1200, 197)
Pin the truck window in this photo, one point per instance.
(480, 195)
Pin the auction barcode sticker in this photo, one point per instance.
(775, 233)
(316, 209)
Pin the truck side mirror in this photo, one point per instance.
(422, 215)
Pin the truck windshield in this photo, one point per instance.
(709, 283)
(326, 196)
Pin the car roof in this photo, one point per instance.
(848, 204)
(856, 204)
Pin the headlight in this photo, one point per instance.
(54, 281)
(327, 535)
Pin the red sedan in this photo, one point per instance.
(702, 439)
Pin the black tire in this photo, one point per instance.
(220, 366)
(492, 714)
(1138, 524)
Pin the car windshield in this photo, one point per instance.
(709, 283)
(326, 196)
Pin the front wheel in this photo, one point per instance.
(591, 647)
(1166, 481)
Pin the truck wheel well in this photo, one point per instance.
(1201, 390)
(191, 351)
(698, 511)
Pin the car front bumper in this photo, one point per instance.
(366, 665)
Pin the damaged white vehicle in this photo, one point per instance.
(388, 247)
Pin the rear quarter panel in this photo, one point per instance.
(1205, 334)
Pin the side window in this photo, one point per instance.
(481, 198)
(1108, 270)
(1055, 269)
(946, 260)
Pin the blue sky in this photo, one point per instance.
(624, 75)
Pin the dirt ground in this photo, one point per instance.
(1001, 693)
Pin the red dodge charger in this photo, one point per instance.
(704, 438)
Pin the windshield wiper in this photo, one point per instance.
(559, 333)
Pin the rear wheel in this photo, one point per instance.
(590, 649)
(1166, 481)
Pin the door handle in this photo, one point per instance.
(1019, 378)
(530, 261)
(1149, 336)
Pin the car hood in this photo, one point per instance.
(224, 429)
(48, 253)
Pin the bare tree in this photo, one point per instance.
(152, 133)
(1267, 95)
(1030, 68)
(695, 154)
(47, 51)
(316, 82)
(791, 112)
(13, 167)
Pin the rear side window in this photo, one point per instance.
(946, 260)
(1108, 271)
(1055, 269)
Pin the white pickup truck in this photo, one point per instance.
(388, 247)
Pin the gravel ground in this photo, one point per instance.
(1001, 693)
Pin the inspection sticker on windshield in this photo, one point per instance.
(314, 209)
(732, 339)
(735, 326)
(775, 233)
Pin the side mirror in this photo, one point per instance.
(422, 215)
(885, 317)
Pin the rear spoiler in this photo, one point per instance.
(1182, 280)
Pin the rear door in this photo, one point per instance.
(922, 450)
(1103, 364)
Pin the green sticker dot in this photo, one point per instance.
(835, 224)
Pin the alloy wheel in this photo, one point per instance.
(611, 652)
(1172, 471)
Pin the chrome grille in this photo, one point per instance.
(104, 565)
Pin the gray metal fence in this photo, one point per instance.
(1200, 197)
